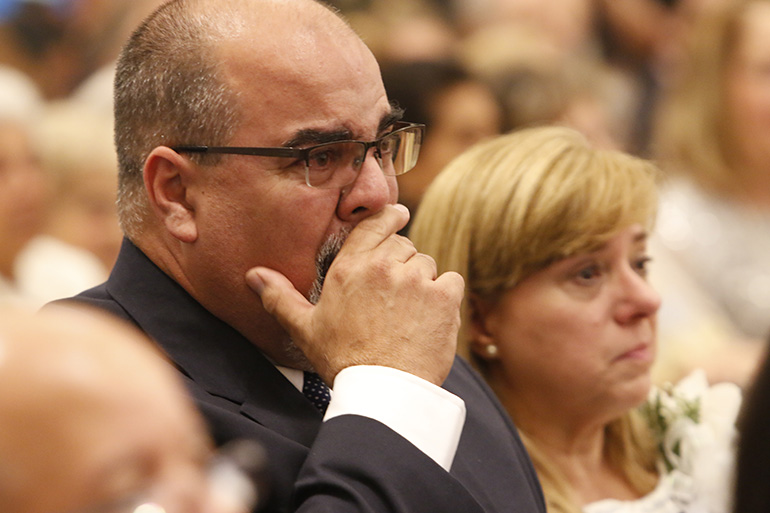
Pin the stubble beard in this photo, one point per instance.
(323, 261)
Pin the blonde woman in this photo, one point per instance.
(550, 236)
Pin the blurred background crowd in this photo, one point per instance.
(683, 82)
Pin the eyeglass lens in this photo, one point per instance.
(337, 164)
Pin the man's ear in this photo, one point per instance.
(167, 178)
(483, 342)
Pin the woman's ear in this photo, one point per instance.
(167, 178)
(483, 341)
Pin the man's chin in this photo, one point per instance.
(297, 357)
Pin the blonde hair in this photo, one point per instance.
(630, 449)
(515, 204)
(693, 135)
(511, 206)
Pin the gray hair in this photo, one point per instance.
(169, 89)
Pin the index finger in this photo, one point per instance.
(370, 232)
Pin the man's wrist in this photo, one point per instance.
(430, 417)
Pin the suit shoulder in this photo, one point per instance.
(96, 297)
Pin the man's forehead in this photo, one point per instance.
(325, 87)
(291, 111)
(285, 27)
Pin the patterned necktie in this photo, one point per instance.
(316, 391)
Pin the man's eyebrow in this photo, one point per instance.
(309, 136)
(390, 118)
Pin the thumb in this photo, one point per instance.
(281, 299)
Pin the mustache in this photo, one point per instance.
(323, 261)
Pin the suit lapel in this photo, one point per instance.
(210, 352)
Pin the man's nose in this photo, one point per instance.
(368, 194)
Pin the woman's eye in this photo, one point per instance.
(588, 273)
(641, 266)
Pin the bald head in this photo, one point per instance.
(88, 407)
(173, 86)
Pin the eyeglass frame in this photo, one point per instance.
(302, 153)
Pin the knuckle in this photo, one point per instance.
(412, 275)
(451, 287)
(444, 295)
(379, 267)
(381, 264)
(402, 245)
(428, 260)
(404, 241)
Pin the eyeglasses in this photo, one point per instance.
(336, 164)
(236, 482)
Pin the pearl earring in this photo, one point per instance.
(491, 350)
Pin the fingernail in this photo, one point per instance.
(255, 281)
(402, 208)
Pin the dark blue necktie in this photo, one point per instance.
(316, 391)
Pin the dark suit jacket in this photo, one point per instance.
(349, 463)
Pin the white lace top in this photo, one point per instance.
(674, 494)
(694, 424)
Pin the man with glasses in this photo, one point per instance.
(258, 159)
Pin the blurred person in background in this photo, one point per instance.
(712, 245)
(81, 237)
(24, 187)
(34, 39)
(93, 418)
(403, 30)
(586, 95)
(60, 43)
(550, 235)
(457, 109)
(643, 39)
(646, 39)
(568, 24)
(538, 84)
(101, 27)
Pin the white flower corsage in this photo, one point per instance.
(694, 426)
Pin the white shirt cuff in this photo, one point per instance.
(428, 416)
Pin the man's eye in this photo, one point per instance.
(326, 157)
(320, 159)
(389, 145)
